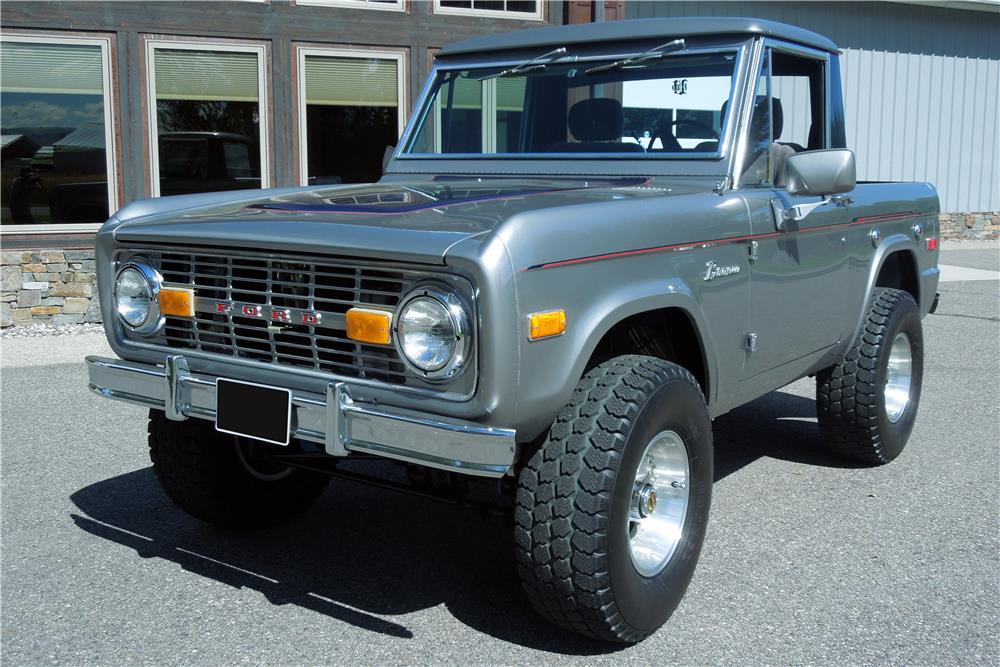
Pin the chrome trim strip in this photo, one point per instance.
(750, 69)
(339, 423)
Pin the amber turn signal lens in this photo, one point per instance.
(544, 325)
(176, 301)
(368, 326)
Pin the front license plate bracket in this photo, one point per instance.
(253, 411)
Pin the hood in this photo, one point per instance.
(415, 221)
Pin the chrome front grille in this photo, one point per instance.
(294, 286)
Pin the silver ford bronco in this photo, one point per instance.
(590, 241)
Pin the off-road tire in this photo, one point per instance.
(850, 399)
(572, 502)
(202, 473)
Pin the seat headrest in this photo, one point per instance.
(777, 115)
(597, 119)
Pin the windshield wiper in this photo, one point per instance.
(654, 53)
(538, 63)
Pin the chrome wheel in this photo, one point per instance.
(898, 377)
(659, 503)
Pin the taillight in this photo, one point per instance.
(932, 243)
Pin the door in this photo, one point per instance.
(799, 268)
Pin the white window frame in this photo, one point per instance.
(398, 6)
(263, 99)
(538, 15)
(301, 51)
(110, 146)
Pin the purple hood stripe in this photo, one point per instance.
(390, 209)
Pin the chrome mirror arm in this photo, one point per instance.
(785, 213)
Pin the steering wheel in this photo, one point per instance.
(682, 121)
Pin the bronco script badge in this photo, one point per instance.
(714, 271)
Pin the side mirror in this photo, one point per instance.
(820, 173)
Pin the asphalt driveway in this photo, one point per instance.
(808, 558)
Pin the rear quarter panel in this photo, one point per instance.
(896, 211)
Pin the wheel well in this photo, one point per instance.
(667, 333)
(899, 271)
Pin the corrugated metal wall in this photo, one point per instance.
(921, 87)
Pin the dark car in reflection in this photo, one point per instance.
(190, 162)
(207, 162)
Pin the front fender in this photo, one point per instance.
(551, 368)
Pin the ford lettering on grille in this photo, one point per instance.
(270, 313)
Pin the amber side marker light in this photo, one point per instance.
(547, 324)
(368, 326)
(176, 301)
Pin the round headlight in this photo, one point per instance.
(136, 290)
(432, 333)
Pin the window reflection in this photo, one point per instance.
(208, 120)
(351, 116)
(53, 153)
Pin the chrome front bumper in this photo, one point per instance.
(341, 424)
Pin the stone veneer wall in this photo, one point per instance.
(970, 226)
(53, 286)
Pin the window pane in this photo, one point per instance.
(797, 86)
(54, 157)
(510, 111)
(526, 6)
(673, 105)
(351, 81)
(462, 121)
(208, 120)
(512, 6)
(352, 116)
(757, 160)
(182, 74)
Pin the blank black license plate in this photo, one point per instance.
(253, 410)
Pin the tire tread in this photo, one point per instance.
(847, 394)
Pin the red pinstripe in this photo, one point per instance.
(885, 217)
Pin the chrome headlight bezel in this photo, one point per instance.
(153, 282)
(461, 323)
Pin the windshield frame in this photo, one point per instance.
(712, 164)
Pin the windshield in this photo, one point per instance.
(673, 105)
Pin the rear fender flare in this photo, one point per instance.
(888, 246)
